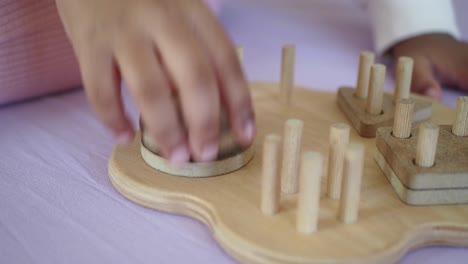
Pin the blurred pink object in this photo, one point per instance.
(36, 57)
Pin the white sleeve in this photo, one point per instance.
(397, 20)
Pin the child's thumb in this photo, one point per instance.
(424, 82)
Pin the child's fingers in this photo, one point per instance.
(195, 80)
(102, 85)
(150, 88)
(424, 80)
(234, 88)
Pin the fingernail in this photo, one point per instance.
(124, 138)
(431, 92)
(249, 130)
(210, 152)
(180, 154)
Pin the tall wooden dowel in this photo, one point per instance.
(339, 138)
(240, 54)
(427, 145)
(351, 189)
(309, 195)
(270, 199)
(291, 150)
(366, 60)
(287, 73)
(404, 73)
(460, 125)
(403, 118)
(376, 89)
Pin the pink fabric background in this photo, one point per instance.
(36, 57)
(57, 204)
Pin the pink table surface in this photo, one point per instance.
(57, 204)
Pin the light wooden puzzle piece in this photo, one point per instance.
(257, 223)
(429, 164)
(367, 107)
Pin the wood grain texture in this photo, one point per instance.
(444, 183)
(271, 181)
(403, 120)
(366, 60)
(288, 61)
(339, 139)
(367, 124)
(228, 205)
(460, 124)
(352, 178)
(375, 98)
(292, 140)
(404, 73)
(426, 148)
(308, 200)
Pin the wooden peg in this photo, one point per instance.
(270, 175)
(460, 126)
(309, 195)
(291, 150)
(366, 60)
(403, 118)
(376, 89)
(350, 191)
(339, 138)
(287, 73)
(240, 54)
(427, 145)
(404, 73)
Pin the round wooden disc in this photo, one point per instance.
(197, 169)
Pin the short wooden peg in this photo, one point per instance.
(287, 73)
(376, 89)
(403, 118)
(309, 195)
(404, 73)
(291, 151)
(460, 126)
(270, 175)
(427, 144)
(366, 60)
(339, 138)
(351, 189)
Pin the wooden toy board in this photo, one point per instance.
(229, 205)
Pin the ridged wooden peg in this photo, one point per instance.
(460, 125)
(309, 195)
(240, 54)
(403, 118)
(270, 198)
(376, 89)
(339, 138)
(366, 60)
(291, 150)
(427, 145)
(352, 178)
(404, 73)
(287, 73)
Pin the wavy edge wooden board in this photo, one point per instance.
(230, 204)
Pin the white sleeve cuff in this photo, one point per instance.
(397, 20)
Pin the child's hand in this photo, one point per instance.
(439, 60)
(161, 47)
